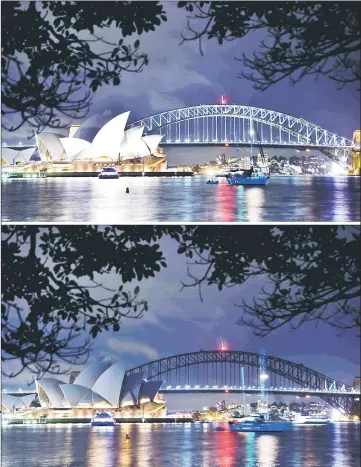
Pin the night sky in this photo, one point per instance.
(177, 322)
(178, 76)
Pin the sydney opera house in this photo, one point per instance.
(89, 147)
(101, 385)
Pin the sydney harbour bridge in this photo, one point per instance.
(240, 125)
(237, 371)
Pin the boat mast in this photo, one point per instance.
(244, 401)
(263, 378)
(251, 132)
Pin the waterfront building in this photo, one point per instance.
(91, 146)
(101, 385)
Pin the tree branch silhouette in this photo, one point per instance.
(312, 273)
(303, 38)
(56, 295)
(51, 66)
(50, 309)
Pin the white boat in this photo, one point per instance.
(258, 423)
(108, 172)
(103, 419)
(306, 419)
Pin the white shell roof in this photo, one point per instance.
(149, 144)
(108, 140)
(73, 146)
(91, 373)
(131, 143)
(92, 397)
(130, 387)
(73, 393)
(149, 389)
(109, 384)
(51, 387)
(52, 143)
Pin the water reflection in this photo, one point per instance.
(101, 446)
(267, 446)
(254, 201)
(250, 440)
(340, 457)
(175, 445)
(188, 199)
(340, 200)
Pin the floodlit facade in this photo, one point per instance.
(111, 142)
(100, 385)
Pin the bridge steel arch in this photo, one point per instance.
(304, 133)
(297, 373)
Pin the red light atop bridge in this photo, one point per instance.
(223, 346)
(223, 100)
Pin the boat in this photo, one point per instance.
(108, 172)
(261, 421)
(256, 175)
(253, 176)
(306, 419)
(258, 423)
(212, 182)
(103, 419)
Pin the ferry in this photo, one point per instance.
(253, 176)
(103, 419)
(108, 172)
(306, 419)
(258, 423)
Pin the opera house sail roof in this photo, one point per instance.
(94, 141)
(98, 385)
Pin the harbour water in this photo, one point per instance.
(179, 445)
(183, 199)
